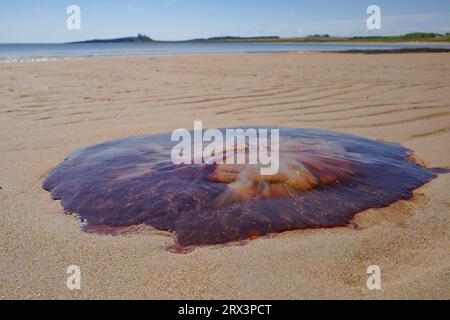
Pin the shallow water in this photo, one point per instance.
(30, 52)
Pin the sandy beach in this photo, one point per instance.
(48, 109)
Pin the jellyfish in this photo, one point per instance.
(324, 179)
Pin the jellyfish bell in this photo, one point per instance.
(323, 180)
(304, 165)
(231, 146)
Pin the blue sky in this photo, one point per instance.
(45, 21)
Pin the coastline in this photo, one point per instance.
(50, 109)
(11, 53)
(409, 43)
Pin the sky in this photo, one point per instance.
(44, 21)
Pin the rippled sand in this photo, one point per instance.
(48, 109)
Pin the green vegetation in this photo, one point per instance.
(410, 37)
(317, 38)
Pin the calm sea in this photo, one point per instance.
(31, 52)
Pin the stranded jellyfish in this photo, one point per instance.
(323, 180)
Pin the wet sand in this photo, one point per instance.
(48, 109)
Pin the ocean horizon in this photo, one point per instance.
(42, 52)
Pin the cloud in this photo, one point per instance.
(391, 25)
(425, 17)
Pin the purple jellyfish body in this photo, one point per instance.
(324, 179)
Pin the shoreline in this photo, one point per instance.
(156, 56)
(409, 43)
(57, 52)
(392, 51)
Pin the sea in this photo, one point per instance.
(39, 52)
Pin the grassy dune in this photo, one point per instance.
(410, 37)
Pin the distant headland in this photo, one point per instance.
(317, 38)
(139, 38)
